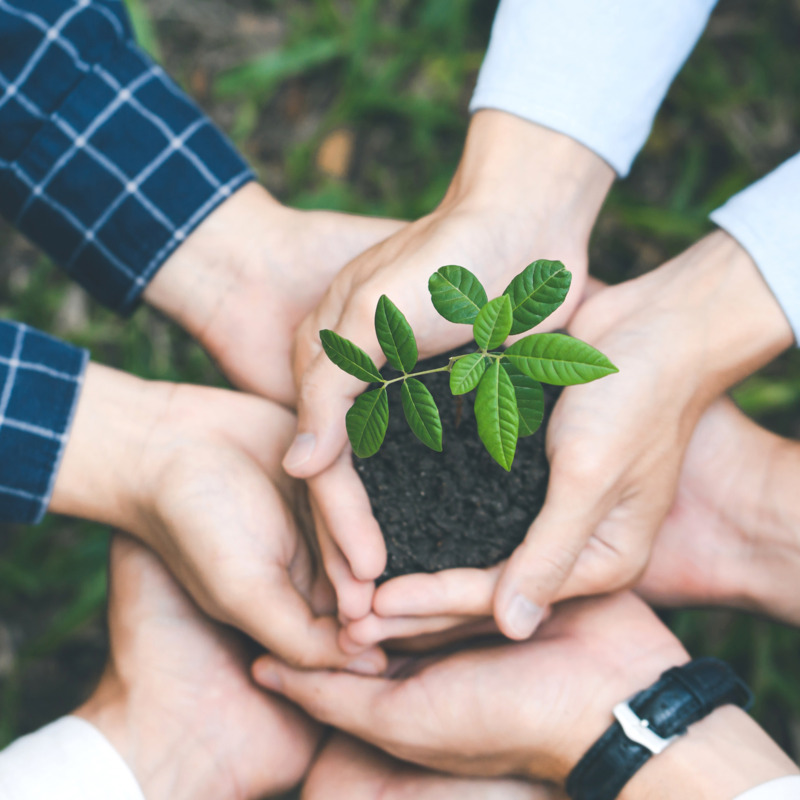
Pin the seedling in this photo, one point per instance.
(509, 403)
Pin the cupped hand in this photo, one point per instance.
(520, 193)
(527, 709)
(680, 337)
(195, 474)
(347, 769)
(177, 701)
(730, 538)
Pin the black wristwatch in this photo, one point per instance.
(650, 721)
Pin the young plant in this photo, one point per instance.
(509, 403)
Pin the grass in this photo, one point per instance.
(390, 83)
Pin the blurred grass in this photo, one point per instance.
(395, 77)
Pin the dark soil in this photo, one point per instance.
(457, 508)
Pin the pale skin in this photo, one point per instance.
(534, 708)
(348, 768)
(246, 277)
(195, 474)
(680, 336)
(176, 700)
(520, 192)
(730, 538)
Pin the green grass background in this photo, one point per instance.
(280, 77)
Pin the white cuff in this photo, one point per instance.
(596, 70)
(765, 220)
(787, 788)
(69, 760)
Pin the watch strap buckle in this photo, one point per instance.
(638, 730)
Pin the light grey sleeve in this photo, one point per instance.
(787, 788)
(596, 70)
(765, 220)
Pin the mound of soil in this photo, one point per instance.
(457, 508)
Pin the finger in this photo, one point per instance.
(449, 592)
(326, 392)
(276, 615)
(353, 597)
(373, 629)
(345, 701)
(539, 567)
(430, 642)
(343, 504)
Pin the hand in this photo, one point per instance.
(533, 709)
(176, 699)
(194, 473)
(528, 709)
(245, 278)
(521, 192)
(732, 536)
(347, 769)
(680, 337)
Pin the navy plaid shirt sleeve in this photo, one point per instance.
(40, 380)
(104, 162)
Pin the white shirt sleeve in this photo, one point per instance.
(596, 70)
(69, 760)
(765, 220)
(787, 788)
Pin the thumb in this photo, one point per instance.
(540, 566)
(325, 395)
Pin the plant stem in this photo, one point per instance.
(446, 368)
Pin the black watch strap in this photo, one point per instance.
(650, 721)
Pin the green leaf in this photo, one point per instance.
(466, 373)
(493, 323)
(497, 415)
(395, 336)
(422, 413)
(349, 357)
(558, 359)
(530, 400)
(366, 422)
(537, 292)
(457, 294)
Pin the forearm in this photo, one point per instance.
(519, 173)
(595, 71)
(104, 162)
(720, 757)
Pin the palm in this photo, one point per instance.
(347, 769)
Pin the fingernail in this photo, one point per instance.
(300, 451)
(363, 667)
(523, 617)
(269, 678)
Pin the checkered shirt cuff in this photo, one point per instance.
(40, 380)
(104, 162)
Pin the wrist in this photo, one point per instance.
(157, 750)
(721, 308)
(523, 173)
(193, 283)
(100, 476)
(718, 758)
(770, 567)
(628, 672)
